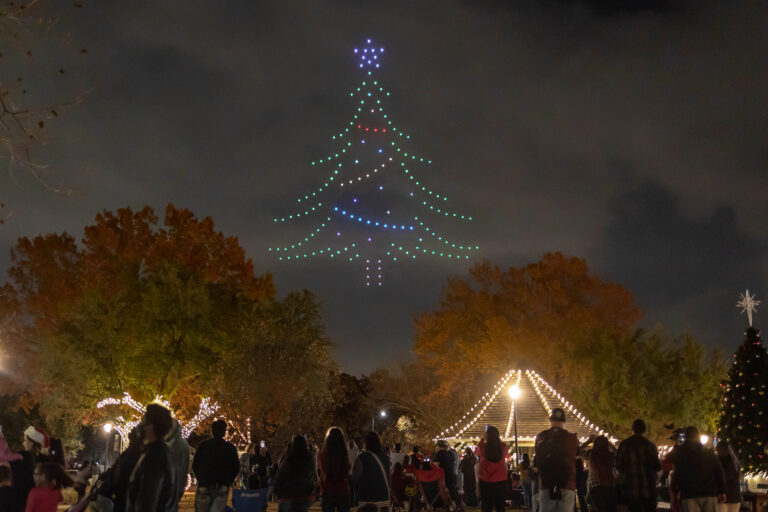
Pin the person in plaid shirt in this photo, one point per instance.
(637, 462)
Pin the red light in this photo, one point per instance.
(375, 129)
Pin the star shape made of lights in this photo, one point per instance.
(748, 304)
(370, 55)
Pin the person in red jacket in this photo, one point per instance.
(49, 479)
(492, 470)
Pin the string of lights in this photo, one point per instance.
(569, 406)
(124, 426)
(512, 407)
(488, 398)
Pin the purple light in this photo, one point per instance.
(381, 49)
(354, 200)
(338, 234)
(369, 41)
(355, 50)
(365, 50)
(369, 239)
(377, 65)
(361, 65)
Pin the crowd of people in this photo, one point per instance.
(151, 474)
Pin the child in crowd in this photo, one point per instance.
(49, 479)
(7, 498)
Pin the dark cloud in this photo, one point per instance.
(538, 115)
(685, 270)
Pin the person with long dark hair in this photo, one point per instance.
(371, 474)
(601, 481)
(732, 470)
(295, 479)
(333, 466)
(492, 470)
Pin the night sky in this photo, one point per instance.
(633, 137)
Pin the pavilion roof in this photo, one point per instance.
(534, 405)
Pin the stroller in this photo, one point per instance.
(430, 481)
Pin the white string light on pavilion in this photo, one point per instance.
(488, 398)
(124, 426)
(567, 404)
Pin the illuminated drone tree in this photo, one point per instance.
(373, 204)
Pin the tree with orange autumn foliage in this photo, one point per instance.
(138, 306)
(536, 316)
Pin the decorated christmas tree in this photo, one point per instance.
(743, 420)
(371, 203)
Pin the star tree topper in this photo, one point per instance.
(748, 304)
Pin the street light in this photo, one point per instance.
(107, 427)
(514, 394)
(382, 413)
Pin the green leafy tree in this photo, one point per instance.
(669, 382)
(277, 379)
(743, 420)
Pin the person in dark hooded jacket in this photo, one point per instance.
(179, 448)
(698, 474)
(152, 486)
(371, 474)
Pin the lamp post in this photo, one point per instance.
(108, 429)
(514, 394)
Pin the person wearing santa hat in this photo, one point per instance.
(36, 446)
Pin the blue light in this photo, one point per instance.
(369, 41)
(335, 208)
(381, 187)
(355, 50)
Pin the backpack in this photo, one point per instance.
(553, 460)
